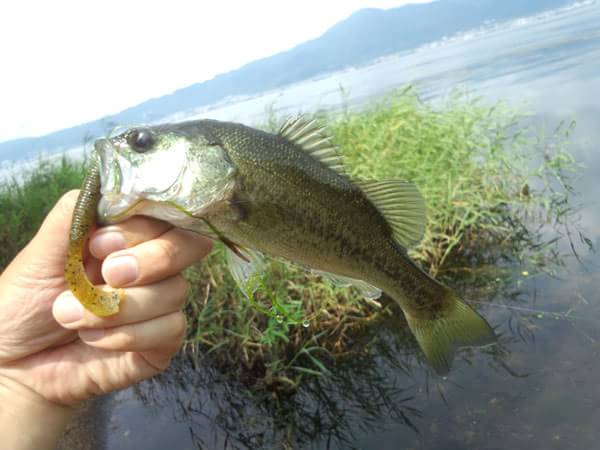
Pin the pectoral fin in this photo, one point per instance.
(247, 268)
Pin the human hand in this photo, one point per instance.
(52, 349)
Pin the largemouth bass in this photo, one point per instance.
(287, 195)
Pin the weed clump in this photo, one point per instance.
(491, 180)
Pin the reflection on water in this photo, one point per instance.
(370, 391)
(532, 389)
(536, 389)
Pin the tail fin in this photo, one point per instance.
(458, 326)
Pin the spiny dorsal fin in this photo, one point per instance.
(402, 205)
(313, 139)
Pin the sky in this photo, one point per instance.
(64, 62)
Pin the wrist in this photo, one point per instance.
(28, 420)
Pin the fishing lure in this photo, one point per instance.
(98, 301)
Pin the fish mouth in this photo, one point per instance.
(114, 205)
(124, 192)
(110, 171)
(115, 208)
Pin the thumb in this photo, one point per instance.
(50, 243)
(45, 256)
(54, 231)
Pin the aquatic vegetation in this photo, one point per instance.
(491, 179)
(498, 193)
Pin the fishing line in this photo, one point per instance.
(554, 315)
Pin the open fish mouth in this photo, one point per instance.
(110, 170)
(113, 203)
(123, 189)
(112, 209)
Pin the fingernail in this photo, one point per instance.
(91, 335)
(105, 243)
(120, 270)
(67, 309)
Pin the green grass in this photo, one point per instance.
(25, 201)
(493, 185)
(489, 179)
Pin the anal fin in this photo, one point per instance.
(367, 290)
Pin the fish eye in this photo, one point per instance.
(140, 140)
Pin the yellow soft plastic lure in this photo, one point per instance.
(94, 299)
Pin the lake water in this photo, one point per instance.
(540, 390)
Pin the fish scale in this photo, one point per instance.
(254, 152)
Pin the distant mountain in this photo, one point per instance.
(365, 35)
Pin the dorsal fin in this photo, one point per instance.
(402, 205)
(314, 140)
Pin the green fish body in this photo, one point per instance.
(287, 195)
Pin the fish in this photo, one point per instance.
(288, 195)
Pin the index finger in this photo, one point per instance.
(131, 232)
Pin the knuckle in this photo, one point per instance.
(90, 320)
(181, 288)
(179, 325)
(162, 364)
(126, 339)
(167, 252)
(194, 246)
(203, 244)
(144, 228)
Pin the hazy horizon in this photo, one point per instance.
(73, 63)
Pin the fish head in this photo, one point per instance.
(172, 173)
